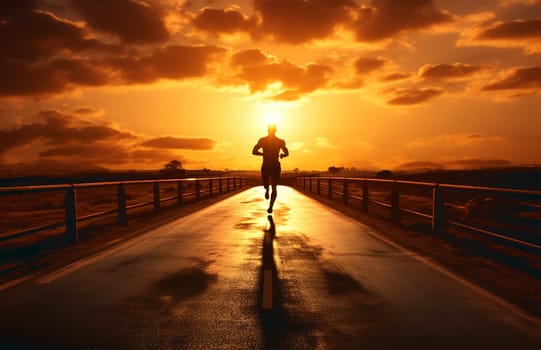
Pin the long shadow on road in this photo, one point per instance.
(281, 330)
(319, 305)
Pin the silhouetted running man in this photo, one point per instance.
(270, 170)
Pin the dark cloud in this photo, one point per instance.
(54, 127)
(303, 21)
(518, 33)
(383, 19)
(107, 154)
(42, 54)
(29, 35)
(23, 78)
(171, 62)
(396, 76)
(518, 29)
(87, 111)
(295, 80)
(517, 78)
(300, 21)
(59, 75)
(219, 21)
(412, 96)
(134, 22)
(249, 58)
(88, 151)
(63, 138)
(448, 71)
(180, 143)
(369, 64)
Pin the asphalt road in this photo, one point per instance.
(209, 281)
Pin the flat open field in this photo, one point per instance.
(25, 211)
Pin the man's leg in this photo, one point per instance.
(272, 198)
(274, 178)
(265, 180)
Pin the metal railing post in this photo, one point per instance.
(121, 200)
(366, 199)
(395, 203)
(228, 185)
(310, 184)
(329, 188)
(318, 185)
(210, 187)
(345, 191)
(156, 196)
(220, 185)
(70, 206)
(437, 210)
(179, 193)
(197, 189)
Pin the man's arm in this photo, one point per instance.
(285, 150)
(255, 150)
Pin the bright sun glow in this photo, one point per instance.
(278, 114)
(271, 117)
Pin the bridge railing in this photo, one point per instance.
(193, 188)
(441, 204)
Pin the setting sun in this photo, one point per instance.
(272, 118)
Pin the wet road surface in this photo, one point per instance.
(204, 282)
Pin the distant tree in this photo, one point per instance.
(333, 169)
(173, 168)
(385, 173)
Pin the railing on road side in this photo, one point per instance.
(215, 185)
(437, 216)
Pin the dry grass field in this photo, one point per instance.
(25, 211)
(514, 215)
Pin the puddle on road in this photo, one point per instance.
(186, 283)
(339, 283)
(245, 225)
(155, 317)
(171, 290)
(253, 200)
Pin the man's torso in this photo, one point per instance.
(271, 150)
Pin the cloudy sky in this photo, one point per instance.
(372, 84)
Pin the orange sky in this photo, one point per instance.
(376, 84)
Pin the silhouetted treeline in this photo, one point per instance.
(520, 177)
(82, 177)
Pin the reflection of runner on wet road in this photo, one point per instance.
(270, 170)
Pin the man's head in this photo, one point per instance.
(271, 128)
